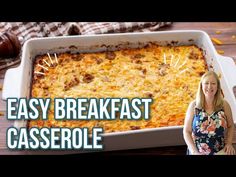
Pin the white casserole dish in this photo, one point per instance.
(17, 82)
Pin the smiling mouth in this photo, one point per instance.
(209, 91)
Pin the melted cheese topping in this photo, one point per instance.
(168, 74)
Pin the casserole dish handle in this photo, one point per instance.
(229, 68)
(11, 84)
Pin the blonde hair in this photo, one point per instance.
(218, 99)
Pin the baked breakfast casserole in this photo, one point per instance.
(167, 74)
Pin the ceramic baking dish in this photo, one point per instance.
(17, 82)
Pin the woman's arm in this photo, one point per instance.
(187, 131)
(229, 149)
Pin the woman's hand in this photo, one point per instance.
(229, 149)
(196, 153)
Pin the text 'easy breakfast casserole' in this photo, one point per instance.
(168, 74)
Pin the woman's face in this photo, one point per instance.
(209, 86)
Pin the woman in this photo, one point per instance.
(207, 119)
